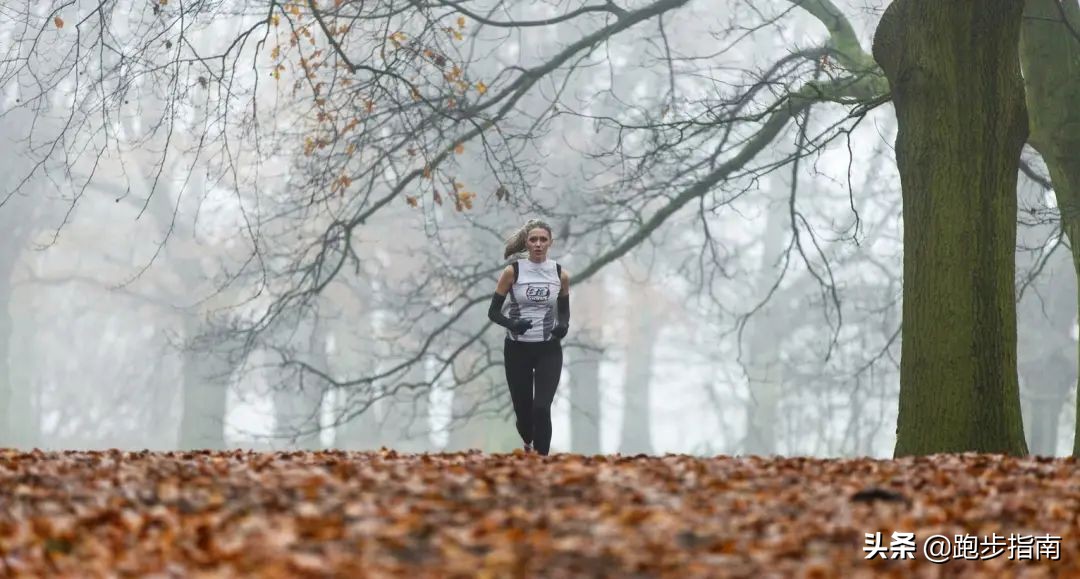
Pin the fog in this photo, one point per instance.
(191, 259)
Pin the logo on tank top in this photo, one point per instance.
(537, 293)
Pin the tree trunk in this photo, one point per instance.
(1046, 354)
(763, 369)
(584, 370)
(18, 415)
(7, 327)
(353, 358)
(1050, 54)
(641, 342)
(24, 403)
(206, 377)
(955, 78)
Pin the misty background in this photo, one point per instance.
(191, 259)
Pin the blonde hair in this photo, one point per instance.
(516, 242)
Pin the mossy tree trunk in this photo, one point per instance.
(1050, 54)
(954, 70)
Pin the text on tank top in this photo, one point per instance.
(532, 297)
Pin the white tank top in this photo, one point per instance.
(532, 297)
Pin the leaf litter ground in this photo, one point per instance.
(383, 514)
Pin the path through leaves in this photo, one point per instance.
(338, 514)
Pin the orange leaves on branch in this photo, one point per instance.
(481, 87)
(311, 143)
(462, 199)
(411, 200)
(306, 33)
(435, 57)
(58, 22)
(459, 148)
(340, 184)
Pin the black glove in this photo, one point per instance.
(562, 304)
(519, 326)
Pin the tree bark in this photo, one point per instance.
(1050, 56)
(955, 78)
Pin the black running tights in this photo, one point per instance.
(529, 365)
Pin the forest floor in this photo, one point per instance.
(338, 514)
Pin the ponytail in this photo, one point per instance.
(516, 242)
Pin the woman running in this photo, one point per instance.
(536, 318)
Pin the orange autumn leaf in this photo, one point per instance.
(411, 200)
(473, 513)
(459, 148)
(59, 22)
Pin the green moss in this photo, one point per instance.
(954, 72)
